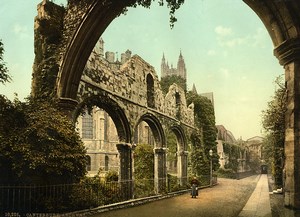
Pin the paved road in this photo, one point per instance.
(227, 199)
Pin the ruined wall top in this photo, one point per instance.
(130, 81)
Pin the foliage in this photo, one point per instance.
(205, 120)
(199, 162)
(273, 120)
(4, 76)
(38, 144)
(144, 161)
(232, 152)
(167, 81)
(173, 5)
(111, 176)
(173, 184)
(255, 164)
(226, 173)
(172, 152)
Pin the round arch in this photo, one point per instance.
(84, 38)
(277, 16)
(181, 137)
(156, 128)
(281, 19)
(115, 112)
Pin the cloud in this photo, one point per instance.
(259, 38)
(233, 42)
(211, 53)
(21, 31)
(223, 31)
(227, 38)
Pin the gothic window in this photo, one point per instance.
(87, 126)
(106, 116)
(150, 91)
(177, 98)
(88, 163)
(106, 163)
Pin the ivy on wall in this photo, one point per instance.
(167, 81)
(233, 153)
(144, 161)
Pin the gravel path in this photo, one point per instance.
(226, 199)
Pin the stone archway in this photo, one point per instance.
(182, 154)
(281, 18)
(115, 112)
(160, 172)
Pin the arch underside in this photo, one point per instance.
(93, 24)
(181, 138)
(281, 18)
(115, 112)
(156, 128)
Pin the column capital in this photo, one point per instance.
(124, 146)
(68, 106)
(288, 51)
(160, 150)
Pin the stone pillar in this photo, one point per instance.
(125, 173)
(68, 106)
(182, 167)
(288, 54)
(160, 170)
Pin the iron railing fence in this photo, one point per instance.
(61, 198)
(27, 199)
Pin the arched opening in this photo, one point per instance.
(102, 125)
(143, 160)
(149, 156)
(150, 91)
(100, 137)
(177, 158)
(280, 18)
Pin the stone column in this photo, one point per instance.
(125, 173)
(68, 106)
(288, 54)
(160, 170)
(182, 167)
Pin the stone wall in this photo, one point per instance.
(128, 85)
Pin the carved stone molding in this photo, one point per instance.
(288, 51)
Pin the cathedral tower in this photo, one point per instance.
(179, 71)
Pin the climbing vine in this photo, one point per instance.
(273, 120)
(233, 153)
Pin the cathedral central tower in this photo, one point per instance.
(166, 70)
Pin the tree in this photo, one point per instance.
(173, 5)
(167, 81)
(273, 121)
(38, 144)
(4, 76)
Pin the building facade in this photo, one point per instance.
(167, 70)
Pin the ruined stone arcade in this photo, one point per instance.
(75, 31)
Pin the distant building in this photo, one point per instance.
(255, 147)
(167, 70)
(209, 96)
(223, 136)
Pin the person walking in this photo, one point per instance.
(195, 184)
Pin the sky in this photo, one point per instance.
(226, 49)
